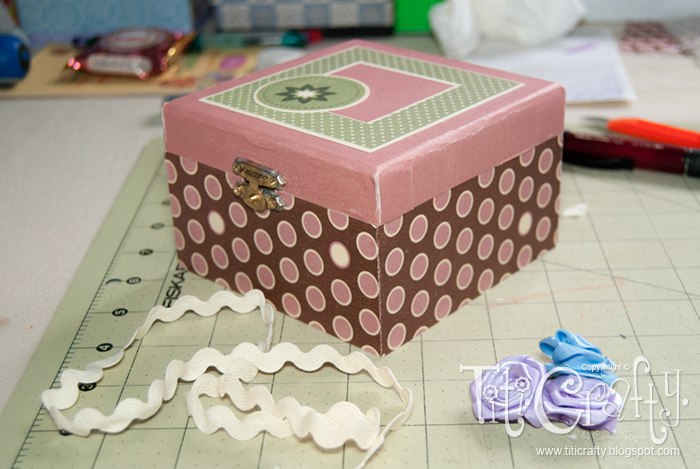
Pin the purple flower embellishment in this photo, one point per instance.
(586, 402)
(571, 353)
(508, 391)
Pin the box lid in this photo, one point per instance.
(367, 129)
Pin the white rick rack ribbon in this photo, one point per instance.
(342, 423)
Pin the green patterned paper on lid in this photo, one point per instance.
(311, 93)
(363, 98)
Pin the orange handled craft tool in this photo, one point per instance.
(652, 131)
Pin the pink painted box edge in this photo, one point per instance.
(379, 186)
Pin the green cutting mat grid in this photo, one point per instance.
(625, 275)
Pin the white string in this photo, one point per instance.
(342, 423)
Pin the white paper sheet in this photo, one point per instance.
(587, 63)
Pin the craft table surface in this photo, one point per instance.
(63, 163)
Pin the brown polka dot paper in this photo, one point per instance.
(376, 287)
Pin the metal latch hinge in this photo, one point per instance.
(258, 190)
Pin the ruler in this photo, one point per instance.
(130, 267)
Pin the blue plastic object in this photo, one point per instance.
(14, 58)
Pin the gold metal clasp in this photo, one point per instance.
(258, 191)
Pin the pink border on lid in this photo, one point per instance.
(373, 187)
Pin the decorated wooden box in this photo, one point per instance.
(367, 190)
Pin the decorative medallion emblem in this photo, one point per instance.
(311, 93)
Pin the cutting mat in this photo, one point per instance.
(626, 275)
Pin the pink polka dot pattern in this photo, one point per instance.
(443, 307)
(200, 265)
(291, 305)
(369, 350)
(544, 227)
(238, 214)
(196, 232)
(265, 277)
(558, 171)
(420, 303)
(485, 280)
(442, 235)
(289, 270)
(315, 298)
(262, 214)
(465, 240)
(312, 224)
(213, 187)
(342, 328)
(394, 262)
(527, 157)
(485, 247)
(367, 246)
(393, 227)
(441, 201)
(395, 299)
(369, 322)
(544, 195)
(318, 326)
(545, 162)
(263, 242)
(323, 267)
(486, 178)
(505, 251)
(313, 262)
(505, 218)
(192, 197)
(465, 202)
(506, 182)
(368, 284)
(486, 211)
(442, 273)
(289, 199)
(397, 336)
(338, 220)
(420, 331)
(189, 166)
(465, 276)
(170, 172)
(175, 208)
(341, 292)
(220, 257)
(286, 234)
(240, 250)
(419, 228)
(419, 266)
(524, 256)
(179, 239)
(242, 282)
(526, 189)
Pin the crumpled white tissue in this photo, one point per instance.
(459, 25)
(453, 23)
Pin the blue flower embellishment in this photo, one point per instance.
(573, 352)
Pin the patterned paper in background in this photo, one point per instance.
(46, 18)
(672, 37)
(243, 15)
